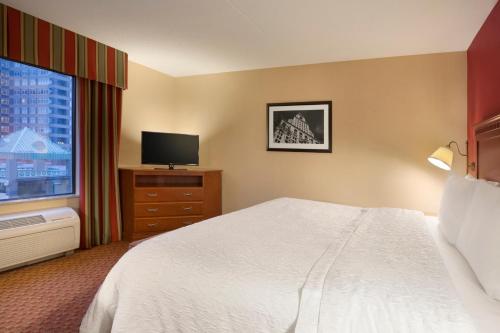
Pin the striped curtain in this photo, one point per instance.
(99, 117)
(101, 73)
(34, 41)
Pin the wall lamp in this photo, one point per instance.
(443, 157)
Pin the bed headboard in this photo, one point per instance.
(487, 134)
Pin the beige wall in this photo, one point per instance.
(10, 208)
(388, 115)
(147, 106)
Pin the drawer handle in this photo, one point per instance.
(152, 210)
(188, 208)
(152, 194)
(152, 225)
(188, 194)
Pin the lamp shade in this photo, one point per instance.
(442, 158)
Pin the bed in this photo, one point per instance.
(291, 265)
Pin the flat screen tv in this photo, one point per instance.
(169, 149)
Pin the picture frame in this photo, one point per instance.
(300, 127)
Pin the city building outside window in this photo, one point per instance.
(37, 132)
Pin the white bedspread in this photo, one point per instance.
(388, 278)
(348, 268)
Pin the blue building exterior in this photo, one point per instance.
(36, 109)
(35, 98)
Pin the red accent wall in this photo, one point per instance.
(483, 75)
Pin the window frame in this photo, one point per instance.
(75, 146)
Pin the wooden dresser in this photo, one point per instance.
(154, 201)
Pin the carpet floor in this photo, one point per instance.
(52, 296)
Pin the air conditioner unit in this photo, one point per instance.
(37, 235)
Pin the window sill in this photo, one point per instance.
(41, 199)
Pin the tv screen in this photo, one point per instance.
(169, 148)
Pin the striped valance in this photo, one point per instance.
(28, 39)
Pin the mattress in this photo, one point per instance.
(484, 311)
(286, 265)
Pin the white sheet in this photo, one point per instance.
(241, 272)
(388, 278)
(484, 311)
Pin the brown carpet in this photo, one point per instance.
(53, 296)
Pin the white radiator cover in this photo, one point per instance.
(59, 234)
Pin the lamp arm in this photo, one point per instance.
(458, 148)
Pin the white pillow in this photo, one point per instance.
(479, 238)
(497, 184)
(470, 177)
(455, 201)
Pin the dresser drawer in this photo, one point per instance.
(165, 209)
(168, 194)
(141, 235)
(161, 224)
(156, 201)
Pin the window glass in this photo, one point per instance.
(36, 132)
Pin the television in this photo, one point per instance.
(169, 149)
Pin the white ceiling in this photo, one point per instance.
(188, 37)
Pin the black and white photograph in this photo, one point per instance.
(300, 126)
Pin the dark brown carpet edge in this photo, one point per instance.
(52, 296)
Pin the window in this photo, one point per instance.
(37, 132)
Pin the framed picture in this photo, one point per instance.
(302, 126)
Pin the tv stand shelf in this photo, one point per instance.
(168, 180)
(154, 201)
